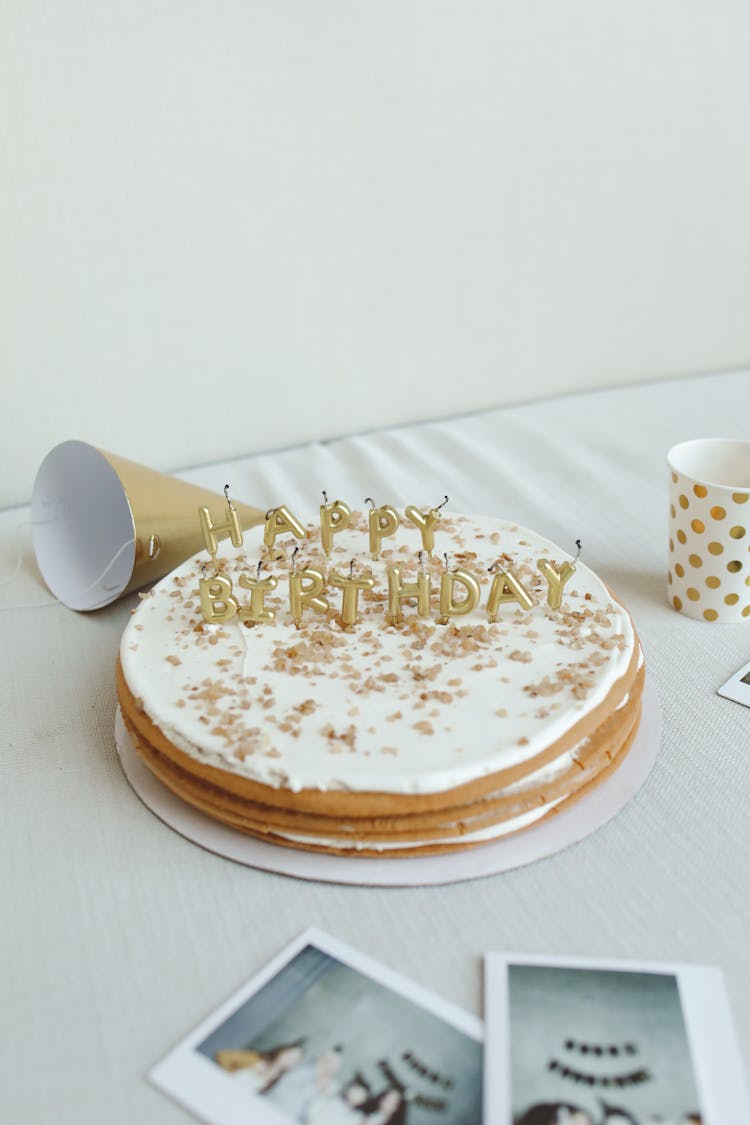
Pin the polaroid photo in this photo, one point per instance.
(325, 1036)
(572, 1042)
(737, 687)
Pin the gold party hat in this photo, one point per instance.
(104, 526)
(165, 518)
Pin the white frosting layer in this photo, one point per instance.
(481, 836)
(415, 708)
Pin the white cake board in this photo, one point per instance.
(554, 834)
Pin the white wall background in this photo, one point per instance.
(228, 225)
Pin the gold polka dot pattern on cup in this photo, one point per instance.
(713, 539)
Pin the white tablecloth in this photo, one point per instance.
(118, 935)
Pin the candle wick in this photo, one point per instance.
(294, 560)
(351, 568)
(226, 494)
(445, 501)
(325, 497)
(369, 500)
(578, 552)
(260, 567)
(445, 557)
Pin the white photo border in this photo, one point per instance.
(715, 1055)
(199, 1086)
(735, 689)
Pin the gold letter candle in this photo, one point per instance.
(399, 591)
(449, 607)
(382, 523)
(506, 588)
(217, 603)
(351, 584)
(556, 580)
(305, 588)
(280, 521)
(333, 517)
(258, 587)
(426, 522)
(210, 530)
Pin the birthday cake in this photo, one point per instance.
(445, 683)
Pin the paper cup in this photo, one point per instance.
(103, 526)
(709, 529)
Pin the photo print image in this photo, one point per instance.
(325, 1044)
(598, 1047)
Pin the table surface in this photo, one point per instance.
(119, 935)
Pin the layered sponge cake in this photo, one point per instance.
(415, 725)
